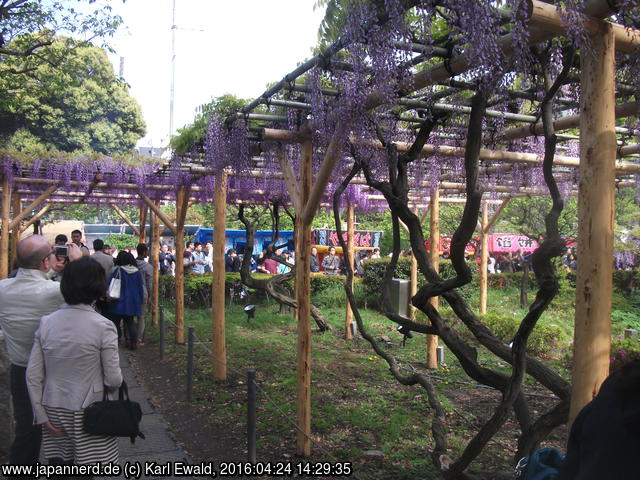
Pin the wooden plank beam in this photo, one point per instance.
(124, 217)
(290, 180)
(324, 173)
(491, 222)
(592, 332)
(36, 217)
(161, 215)
(219, 351)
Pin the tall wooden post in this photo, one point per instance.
(16, 207)
(219, 352)
(155, 262)
(434, 238)
(592, 332)
(484, 258)
(181, 206)
(303, 295)
(143, 222)
(6, 221)
(350, 248)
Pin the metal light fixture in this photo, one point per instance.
(250, 310)
(406, 333)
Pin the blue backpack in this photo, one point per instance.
(543, 464)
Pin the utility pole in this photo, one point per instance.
(173, 70)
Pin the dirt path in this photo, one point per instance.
(166, 386)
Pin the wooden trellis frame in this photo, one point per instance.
(597, 163)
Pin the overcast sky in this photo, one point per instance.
(221, 47)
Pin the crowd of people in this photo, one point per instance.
(63, 351)
(198, 258)
(62, 324)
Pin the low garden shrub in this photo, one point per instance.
(328, 290)
(543, 339)
(624, 351)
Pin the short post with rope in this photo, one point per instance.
(190, 338)
(251, 415)
(161, 326)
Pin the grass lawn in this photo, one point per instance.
(359, 412)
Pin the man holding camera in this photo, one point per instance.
(24, 300)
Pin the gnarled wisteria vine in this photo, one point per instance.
(421, 94)
(438, 93)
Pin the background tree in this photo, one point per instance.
(29, 27)
(190, 137)
(76, 104)
(526, 216)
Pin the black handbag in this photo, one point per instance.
(114, 418)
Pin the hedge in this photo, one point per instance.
(374, 273)
(197, 288)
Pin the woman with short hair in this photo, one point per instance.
(74, 358)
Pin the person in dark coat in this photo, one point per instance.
(604, 440)
(232, 261)
(315, 263)
(128, 306)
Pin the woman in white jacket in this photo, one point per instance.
(74, 358)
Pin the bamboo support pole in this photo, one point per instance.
(21, 214)
(484, 258)
(565, 123)
(461, 63)
(303, 295)
(142, 231)
(592, 333)
(631, 149)
(485, 155)
(181, 211)
(155, 262)
(351, 250)
(219, 353)
(434, 253)
(552, 19)
(6, 222)
(124, 217)
(36, 217)
(16, 207)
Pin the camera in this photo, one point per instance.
(62, 251)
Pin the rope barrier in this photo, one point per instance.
(411, 369)
(198, 341)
